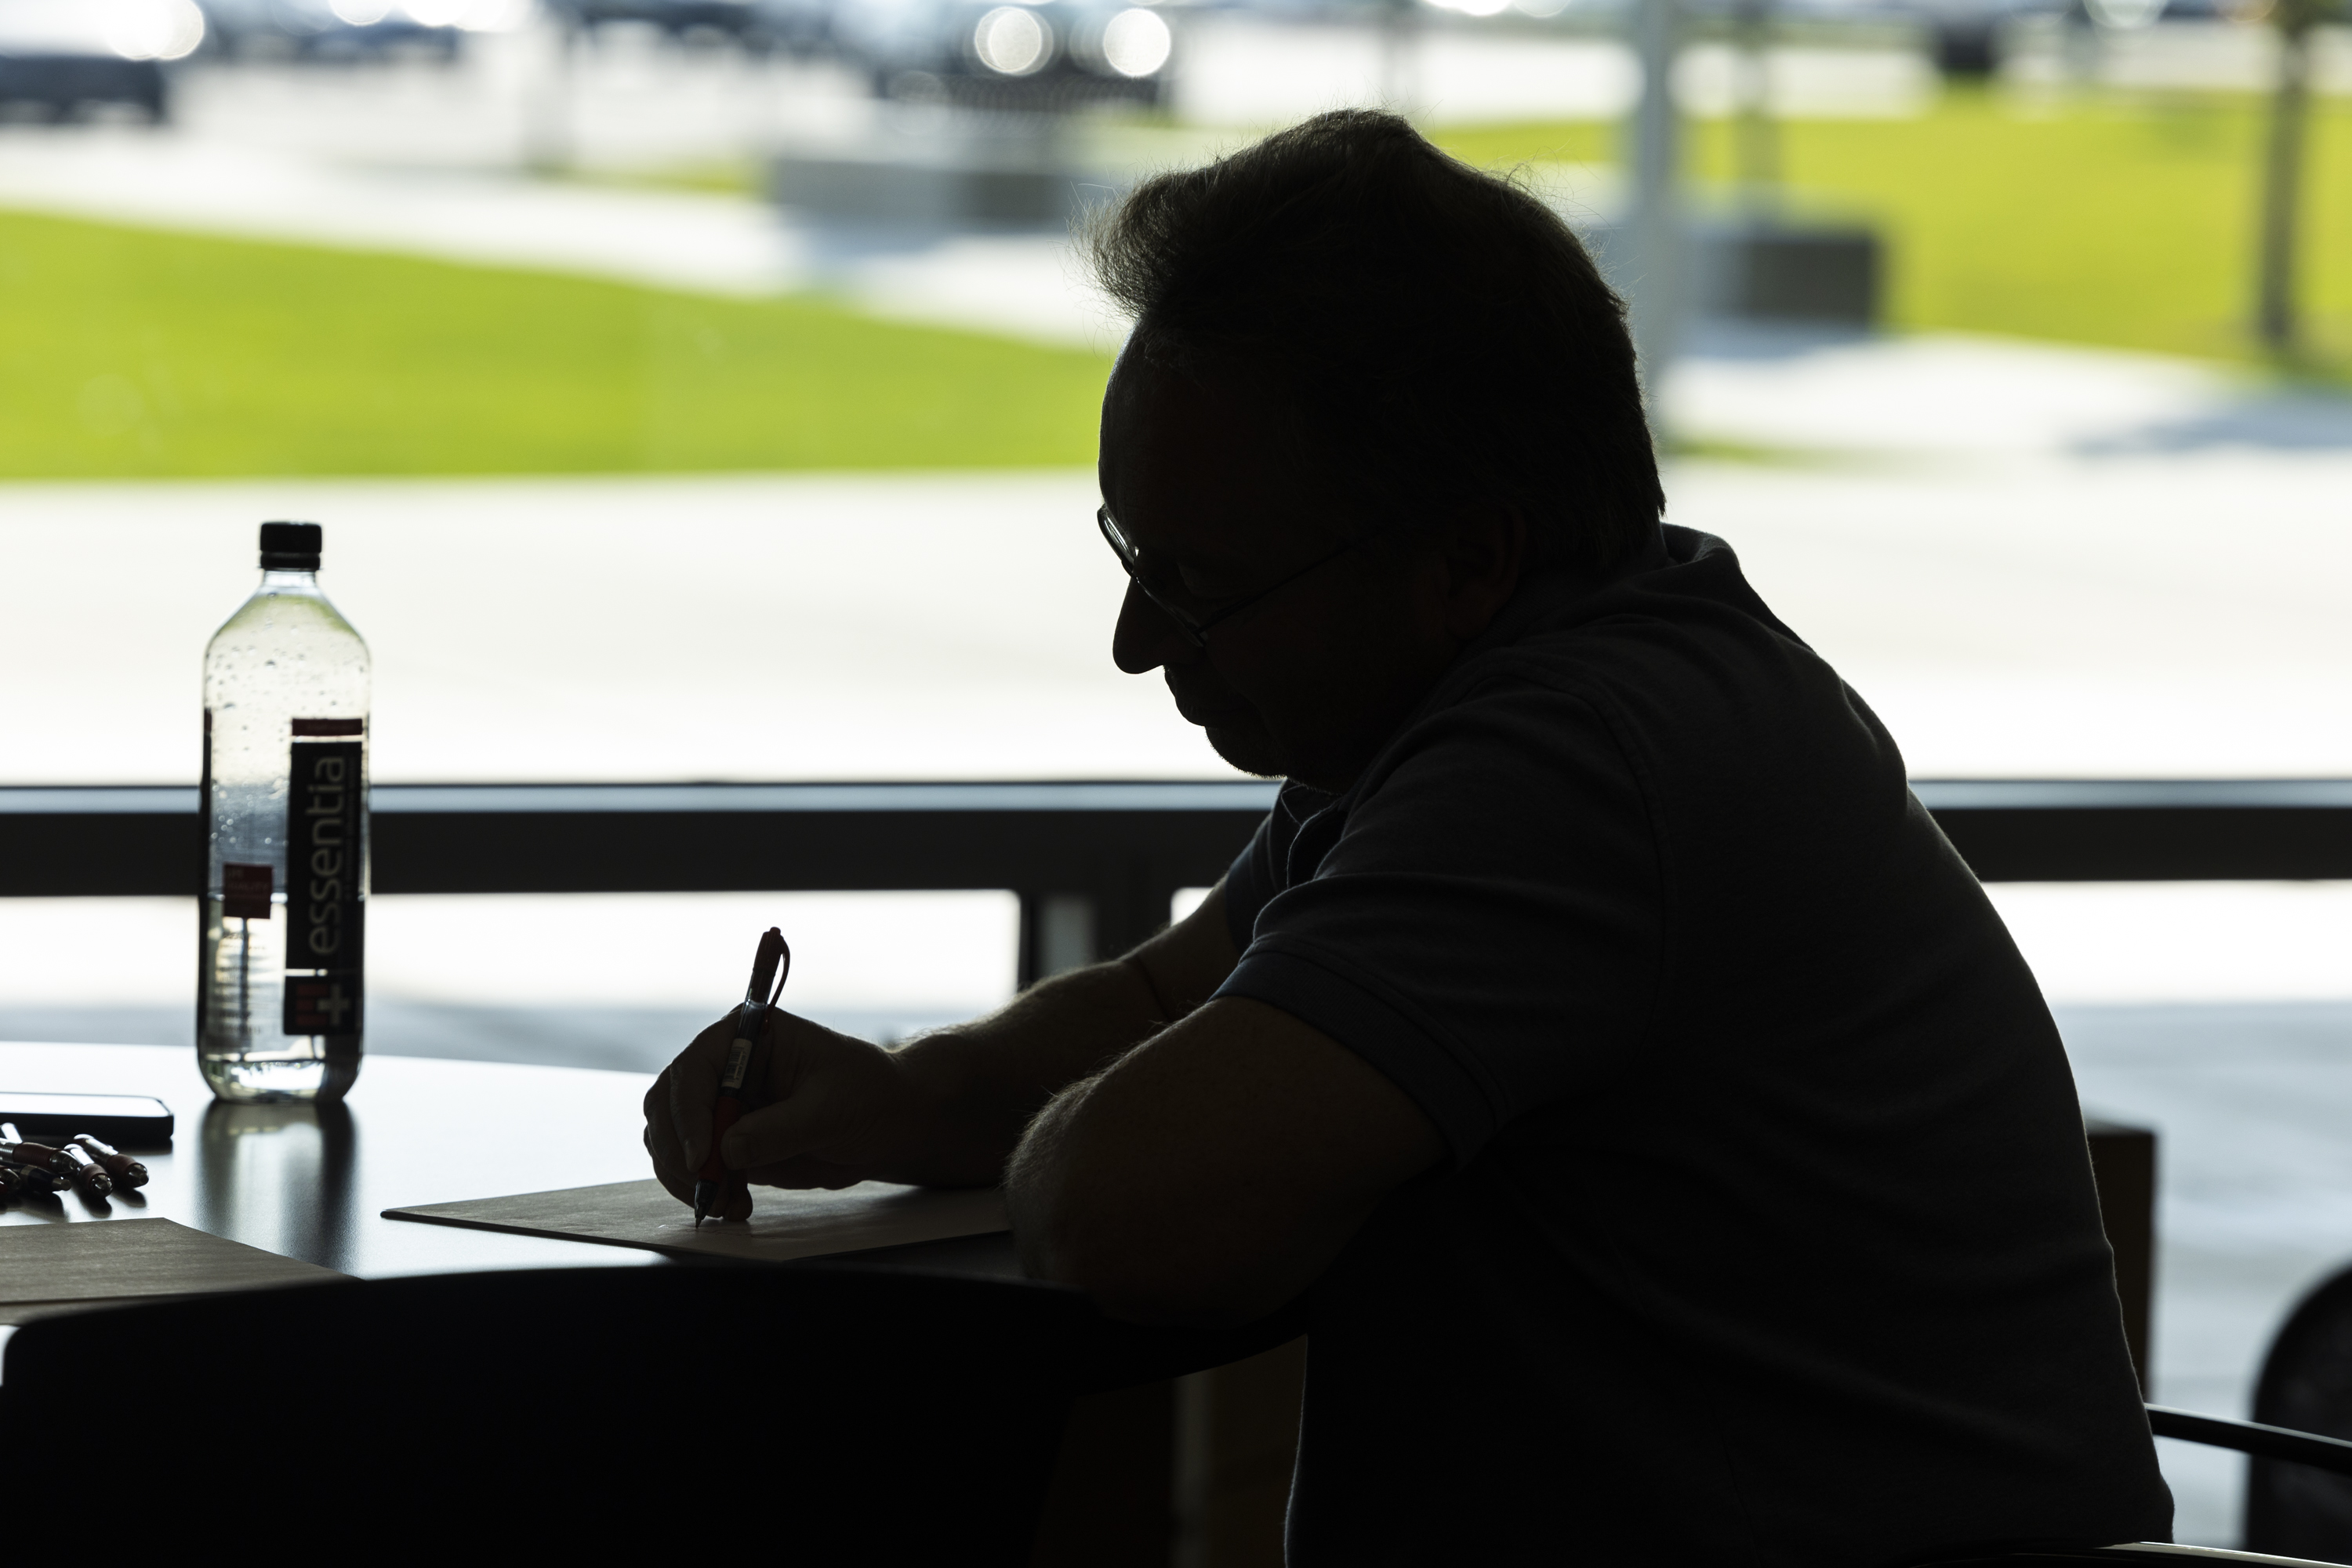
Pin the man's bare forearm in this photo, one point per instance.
(1214, 1171)
(978, 1084)
(981, 1083)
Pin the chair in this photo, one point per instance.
(866, 1415)
(2329, 1458)
(2147, 1554)
(2306, 1384)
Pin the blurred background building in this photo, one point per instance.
(705, 389)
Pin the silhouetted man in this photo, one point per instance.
(1675, 1158)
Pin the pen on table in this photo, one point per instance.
(772, 962)
(11, 1140)
(18, 1150)
(126, 1170)
(62, 1165)
(32, 1175)
(75, 1162)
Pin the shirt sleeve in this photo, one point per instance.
(1250, 883)
(1485, 929)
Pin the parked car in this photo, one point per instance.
(803, 27)
(59, 59)
(334, 29)
(730, 18)
(1040, 55)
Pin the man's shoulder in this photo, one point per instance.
(1679, 694)
(1685, 646)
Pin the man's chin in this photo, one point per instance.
(1250, 752)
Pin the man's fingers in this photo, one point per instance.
(674, 1177)
(694, 1086)
(678, 1112)
(835, 1098)
(799, 1073)
(810, 1122)
(661, 1143)
(802, 1174)
(832, 1097)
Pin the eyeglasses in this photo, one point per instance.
(1197, 627)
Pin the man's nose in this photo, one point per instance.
(1147, 636)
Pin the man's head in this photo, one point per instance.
(1357, 356)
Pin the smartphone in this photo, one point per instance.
(125, 1120)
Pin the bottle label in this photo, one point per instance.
(245, 889)
(324, 914)
(322, 1003)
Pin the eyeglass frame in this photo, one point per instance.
(1191, 626)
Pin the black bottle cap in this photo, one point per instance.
(290, 546)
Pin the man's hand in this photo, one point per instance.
(822, 1109)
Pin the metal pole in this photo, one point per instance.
(2275, 313)
(1656, 274)
(548, 144)
(1398, 50)
(1758, 137)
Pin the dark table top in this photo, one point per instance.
(312, 1182)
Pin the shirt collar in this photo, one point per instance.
(1541, 597)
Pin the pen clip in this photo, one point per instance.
(783, 969)
(773, 958)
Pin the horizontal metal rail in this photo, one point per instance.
(715, 836)
(1116, 850)
(577, 838)
(1124, 846)
(2146, 830)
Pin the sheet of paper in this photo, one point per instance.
(48, 1269)
(783, 1224)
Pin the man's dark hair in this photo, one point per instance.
(1436, 334)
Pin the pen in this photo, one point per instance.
(126, 1170)
(773, 961)
(17, 1152)
(74, 1161)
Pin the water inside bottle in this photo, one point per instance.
(286, 679)
(245, 1053)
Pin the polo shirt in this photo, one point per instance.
(1767, 1234)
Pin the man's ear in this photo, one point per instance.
(1485, 552)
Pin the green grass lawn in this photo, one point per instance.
(128, 353)
(2126, 221)
(125, 351)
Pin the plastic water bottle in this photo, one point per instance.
(280, 981)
